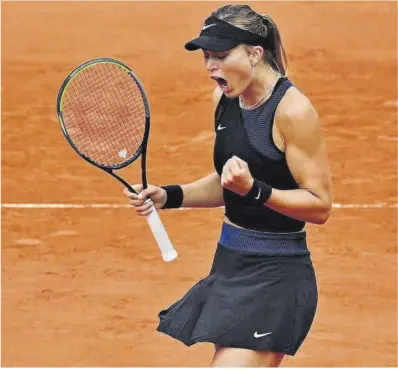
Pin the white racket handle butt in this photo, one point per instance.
(162, 238)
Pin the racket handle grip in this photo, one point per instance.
(161, 236)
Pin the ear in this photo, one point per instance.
(256, 54)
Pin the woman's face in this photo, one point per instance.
(231, 69)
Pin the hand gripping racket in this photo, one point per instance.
(104, 114)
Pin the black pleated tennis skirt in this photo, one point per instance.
(260, 294)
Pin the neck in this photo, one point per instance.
(261, 87)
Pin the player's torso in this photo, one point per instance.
(248, 135)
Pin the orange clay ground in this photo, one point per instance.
(82, 287)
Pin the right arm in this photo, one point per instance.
(206, 192)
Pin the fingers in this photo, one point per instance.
(141, 202)
(142, 205)
(233, 168)
(130, 194)
(137, 187)
(240, 162)
(238, 166)
(145, 209)
(147, 193)
(236, 176)
(141, 194)
(226, 176)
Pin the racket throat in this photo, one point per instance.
(125, 183)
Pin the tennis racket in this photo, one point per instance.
(104, 114)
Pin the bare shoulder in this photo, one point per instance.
(217, 94)
(296, 114)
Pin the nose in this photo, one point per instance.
(211, 65)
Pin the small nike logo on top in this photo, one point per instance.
(256, 335)
(219, 127)
(208, 26)
(258, 196)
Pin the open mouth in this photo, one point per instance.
(222, 83)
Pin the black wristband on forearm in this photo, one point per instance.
(259, 193)
(175, 196)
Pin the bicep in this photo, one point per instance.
(306, 154)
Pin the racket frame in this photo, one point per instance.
(165, 245)
(142, 150)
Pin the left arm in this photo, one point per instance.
(306, 157)
(307, 160)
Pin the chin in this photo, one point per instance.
(231, 94)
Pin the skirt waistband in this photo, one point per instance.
(269, 243)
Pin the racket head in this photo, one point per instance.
(104, 113)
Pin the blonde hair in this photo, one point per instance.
(243, 16)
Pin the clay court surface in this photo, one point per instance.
(82, 287)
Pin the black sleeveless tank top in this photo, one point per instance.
(248, 135)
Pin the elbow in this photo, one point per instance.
(321, 219)
(323, 215)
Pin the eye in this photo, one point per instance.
(222, 56)
(215, 56)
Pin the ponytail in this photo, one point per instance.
(274, 52)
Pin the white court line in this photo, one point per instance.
(60, 205)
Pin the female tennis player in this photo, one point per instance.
(272, 174)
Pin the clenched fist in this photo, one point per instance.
(236, 176)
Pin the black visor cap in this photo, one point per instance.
(211, 43)
(217, 35)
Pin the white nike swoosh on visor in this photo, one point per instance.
(256, 335)
(208, 26)
(219, 127)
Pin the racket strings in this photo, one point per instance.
(104, 114)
